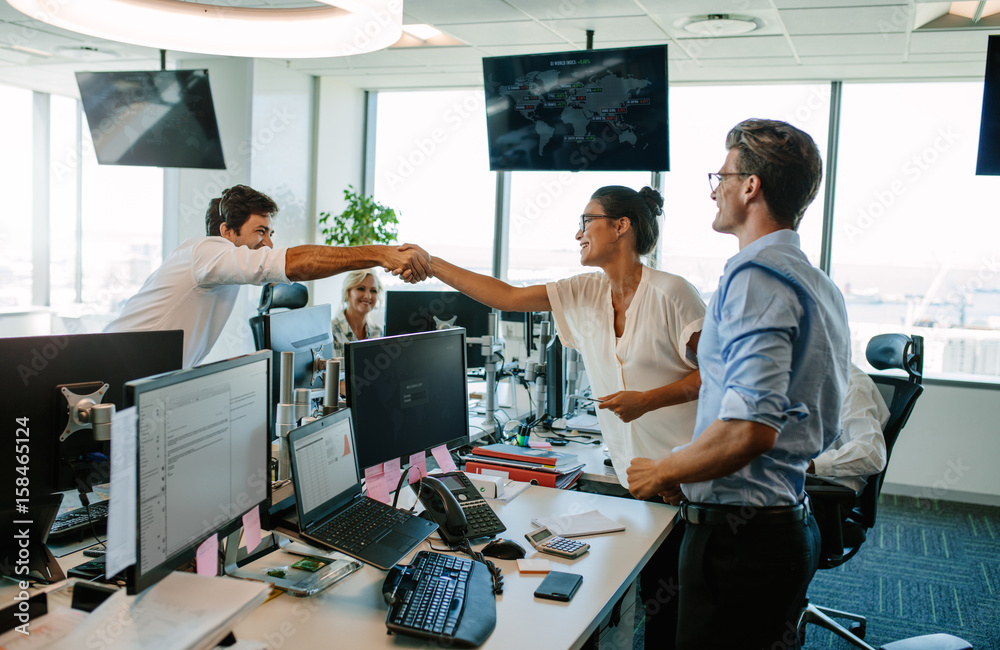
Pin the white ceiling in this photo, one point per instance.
(799, 40)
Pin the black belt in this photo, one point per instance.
(735, 516)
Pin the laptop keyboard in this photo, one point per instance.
(360, 525)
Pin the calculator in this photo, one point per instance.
(548, 542)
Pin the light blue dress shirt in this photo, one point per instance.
(775, 349)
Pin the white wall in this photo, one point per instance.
(340, 141)
(950, 447)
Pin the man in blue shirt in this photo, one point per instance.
(774, 354)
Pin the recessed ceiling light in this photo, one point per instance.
(719, 25)
(968, 9)
(423, 32)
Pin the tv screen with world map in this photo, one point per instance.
(590, 110)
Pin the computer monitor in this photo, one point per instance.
(554, 378)
(202, 459)
(988, 161)
(407, 393)
(307, 332)
(407, 312)
(35, 369)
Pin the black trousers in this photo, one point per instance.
(659, 591)
(744, 586)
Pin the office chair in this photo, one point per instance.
(275, 296)
(845, 517)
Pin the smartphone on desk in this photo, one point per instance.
(558, 585)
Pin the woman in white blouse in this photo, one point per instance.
(637, 328)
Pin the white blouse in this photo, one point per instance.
(665, 312)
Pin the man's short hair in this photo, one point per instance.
(235, 206)
(785, 159)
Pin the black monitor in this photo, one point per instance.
(308, 333)
(202, 456)
(554, 379)
(407, 312)
(35, 369)
(152, 118)
(988, 162)
(590, 110)
(407, 393)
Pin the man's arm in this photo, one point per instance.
(313, 262)
(723, 448)
(490, 291)
(860, 450)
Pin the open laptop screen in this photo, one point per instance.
(324, 466)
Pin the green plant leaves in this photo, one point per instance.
(363, 221)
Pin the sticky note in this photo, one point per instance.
(251, 528)
(443, 458)
(539, 444)
(419, 461)
(412, 475)
(208, 556)
(392, 472)
(375, 483)
(532, 565)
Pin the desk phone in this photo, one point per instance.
(473, 516)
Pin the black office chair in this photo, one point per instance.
(844, 517)
(275, 296)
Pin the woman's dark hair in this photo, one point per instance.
(640, 208)
(235, 207)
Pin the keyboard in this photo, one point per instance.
(73, 520)
(441, 597)
(360, 525)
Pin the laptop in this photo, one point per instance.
(328, 491)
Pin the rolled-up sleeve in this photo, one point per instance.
(759, 318)
(219, 263)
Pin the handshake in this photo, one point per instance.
(409, 262)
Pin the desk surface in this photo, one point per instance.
(352, 613)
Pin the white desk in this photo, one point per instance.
(352, 613)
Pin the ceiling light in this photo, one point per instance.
(969, 9)
(30, 50)
(423, 32)
(341, 28)
(719, 25)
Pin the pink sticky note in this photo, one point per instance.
(419, 461)
(251, 529)
(375, 482)
(443, 457)
(208, 556)
(541, 444)
(412, 475)
(391, 470)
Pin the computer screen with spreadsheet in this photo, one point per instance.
(202, 456)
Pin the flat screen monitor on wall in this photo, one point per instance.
(988, 163)
(590, 110)
(162, 118)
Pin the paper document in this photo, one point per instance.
(122, 508)
(586, 523)
(44, 630)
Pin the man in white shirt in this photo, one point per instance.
(859, 452)
(196, 287)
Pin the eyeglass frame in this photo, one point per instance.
(585, 216)
(719, 176)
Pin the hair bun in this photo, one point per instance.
(653, 199)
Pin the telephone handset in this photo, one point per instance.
(458, 508)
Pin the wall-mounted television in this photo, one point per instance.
(988, 163)
(590, 110)
(162, 118)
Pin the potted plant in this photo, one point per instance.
(363, 221)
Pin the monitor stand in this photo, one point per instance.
(272, 559)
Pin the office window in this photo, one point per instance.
(915, 230)
(64, 163)
(15, 169)
(700, 118)
(122, 230)
(431, 165)
(545, 210)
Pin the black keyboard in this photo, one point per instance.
(76, 519)
(360, 525)
(441, 597)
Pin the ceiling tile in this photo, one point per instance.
(576, 9)
(607, 29)
(931, 42)
(846, 20)
(736, 47)
(849, 44)
(513, 33)
(448, 12)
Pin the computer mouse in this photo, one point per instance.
(504, 549)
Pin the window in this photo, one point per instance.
(915, 231)
(545, 216)
(431, 165)
(16, 168)
(700, 118)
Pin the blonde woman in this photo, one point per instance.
(362, 290)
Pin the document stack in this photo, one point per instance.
(539, 466)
